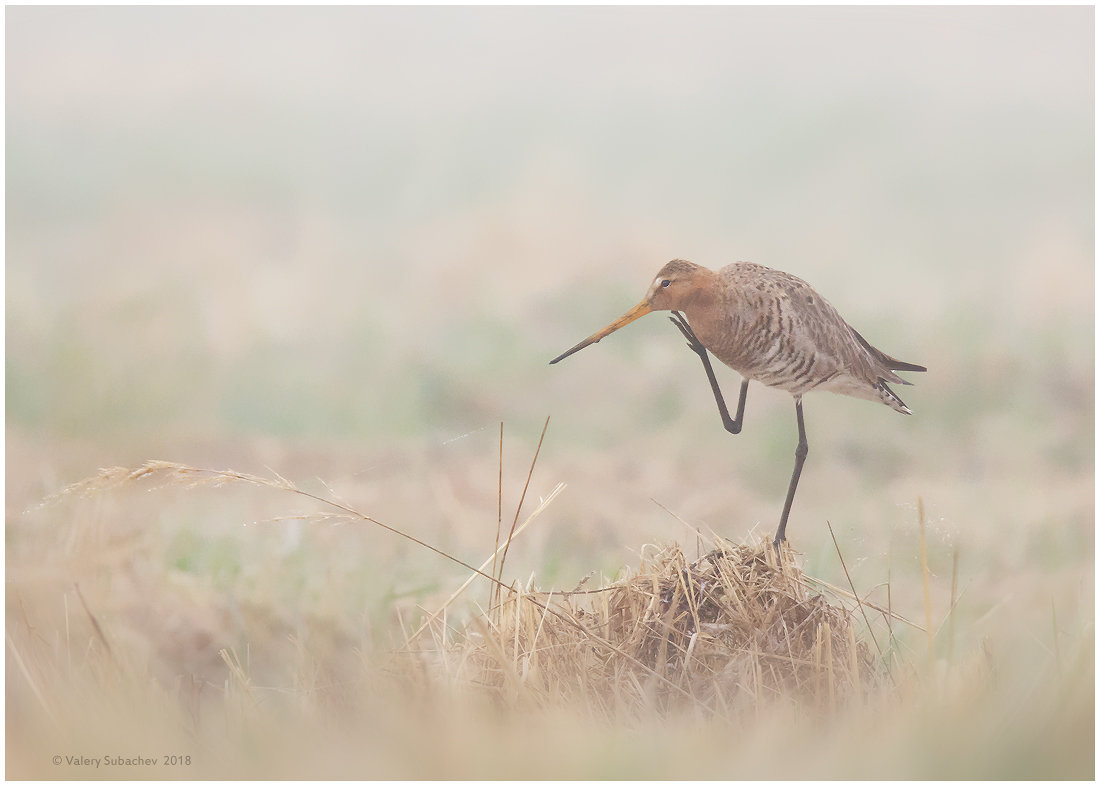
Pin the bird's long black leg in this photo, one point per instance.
(799, 459)
(733, 425)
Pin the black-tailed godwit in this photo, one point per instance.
(772, 327)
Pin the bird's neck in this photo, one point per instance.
(703, 312)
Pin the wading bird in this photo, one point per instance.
(769, 326)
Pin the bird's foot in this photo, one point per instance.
(777, 544)
(682, 325)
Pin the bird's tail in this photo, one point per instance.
(900, 365)
(891, 399)
(888, 363)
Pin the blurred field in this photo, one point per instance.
(342, 244)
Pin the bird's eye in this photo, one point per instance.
(665, 282)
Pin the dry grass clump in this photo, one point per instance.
(731, 631)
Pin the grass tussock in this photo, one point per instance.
(730, 631)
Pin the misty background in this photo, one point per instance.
(345, 242)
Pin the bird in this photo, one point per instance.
(771, 327)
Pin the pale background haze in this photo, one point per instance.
(342, 244)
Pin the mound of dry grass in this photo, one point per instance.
(729, 632)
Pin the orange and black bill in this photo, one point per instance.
(639, 310)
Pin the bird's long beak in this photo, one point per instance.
(639, 310)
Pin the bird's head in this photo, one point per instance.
(673, 288)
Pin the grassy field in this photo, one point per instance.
(335, 250)
(156, 625)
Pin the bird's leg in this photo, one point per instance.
(733, 425)
(799, 458)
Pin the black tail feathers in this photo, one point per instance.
(900, 365)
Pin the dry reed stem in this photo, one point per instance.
(95, 624)
(926, 583)
(33, 683)
(491, 560)
(523, 495)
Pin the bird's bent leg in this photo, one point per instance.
(799, 459)
(732, 425)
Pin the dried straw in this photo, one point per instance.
(729, 631)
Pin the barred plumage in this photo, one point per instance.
(772, 327)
